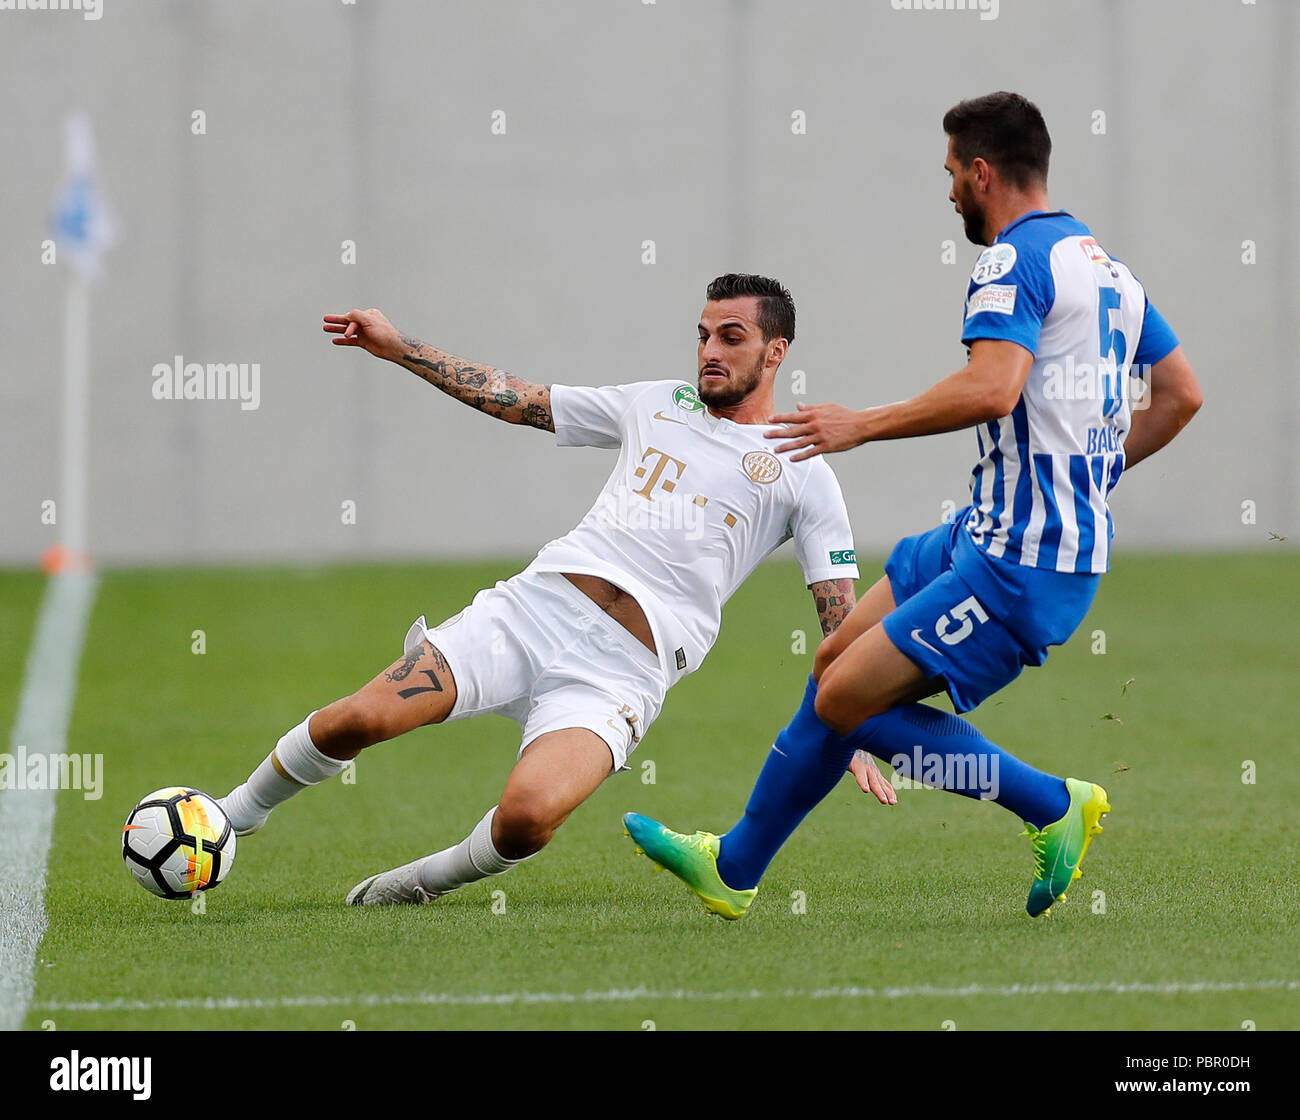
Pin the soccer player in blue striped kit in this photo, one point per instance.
(1055, 330)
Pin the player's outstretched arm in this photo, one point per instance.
(490, 390)
(986, 389)
(1175, 399)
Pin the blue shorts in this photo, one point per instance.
(974, 621)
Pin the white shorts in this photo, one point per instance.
(536, 649)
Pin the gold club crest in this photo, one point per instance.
(761, 466)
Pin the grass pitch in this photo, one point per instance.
(908, 917)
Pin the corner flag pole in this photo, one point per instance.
(76, 419)
(84, 228)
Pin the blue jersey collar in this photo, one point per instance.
(1026, 217)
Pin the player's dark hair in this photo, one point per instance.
(1005, 130)
(775, 303)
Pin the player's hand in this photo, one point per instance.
(370, 330)
(816, 429)
(870, 780)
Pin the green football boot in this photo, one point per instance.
(1060, 847)
(693, 859)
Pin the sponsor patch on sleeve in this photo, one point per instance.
(843, 556)
(1000, 298)
(994, 263)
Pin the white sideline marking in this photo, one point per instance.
(624, 995)
(27, 816)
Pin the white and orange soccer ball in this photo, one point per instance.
(177, 841)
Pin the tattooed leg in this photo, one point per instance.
(416, 690)
(319, 747)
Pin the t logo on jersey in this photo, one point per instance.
(656, 472)
(844, 556)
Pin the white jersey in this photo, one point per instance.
(694, 504)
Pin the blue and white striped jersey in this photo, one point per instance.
(1039, 489)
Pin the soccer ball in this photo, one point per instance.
(177, 841)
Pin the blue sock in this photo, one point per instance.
(940, 749)
(803, 766)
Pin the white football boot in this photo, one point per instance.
(398, 887)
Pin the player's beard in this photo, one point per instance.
(735, 389)
(972, 216)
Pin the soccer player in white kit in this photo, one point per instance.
(581, 647)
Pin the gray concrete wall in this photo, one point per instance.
(626, 121)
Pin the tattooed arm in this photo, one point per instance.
(493, 391)
(834, 598)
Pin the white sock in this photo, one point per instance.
(300, 765)
(474, 858)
